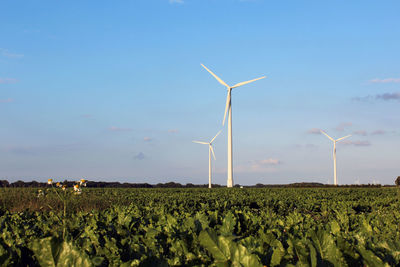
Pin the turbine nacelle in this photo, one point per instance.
(229, 88)
(209, 144)
(210, 151)
(333, 140)
(334, 152)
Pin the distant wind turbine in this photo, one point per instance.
(334, 152)
(228, 106)
(210, 150)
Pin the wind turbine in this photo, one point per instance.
(210, 150)
(334, 152)
(228, 106)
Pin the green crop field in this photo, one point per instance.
(200, 227)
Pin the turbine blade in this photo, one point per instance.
(215, 76)
(243, 83)
(343, 137)
(327, 135)
(228, 102)
(200, 142)
(215, 136)
(212, 150)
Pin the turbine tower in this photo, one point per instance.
(210, 150)
(228, 106)
(334, 153)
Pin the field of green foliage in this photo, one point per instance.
(200, 227)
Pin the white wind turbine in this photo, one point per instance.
(210, 150)
(229, 107)
(334, 153)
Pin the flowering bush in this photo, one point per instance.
(64, 196)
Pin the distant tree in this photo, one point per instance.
(18, 183)
(4, 183)
(397, 182)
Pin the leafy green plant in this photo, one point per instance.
(199, 227)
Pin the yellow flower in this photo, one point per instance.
(76, 187)
(58, 184)
(64, 187)
(40, 193)
(50, 181)
(82, 182)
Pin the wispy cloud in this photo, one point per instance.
(264, 165)
(87, 116)
(119, 129)
(268, 162)
(314, 131)
(173, 130)
(355, 143)
(8, 100)
(139, 156)
(310, 146)
(147, 139)
(306, 146)
(7, 80)
(176, 1)
(20, 149)
(388, 96)
(40, 149)
(363, 98)
(32, 31)
(378, 132)
(360, 132)
(384, 97)
(387, 80)
(341, 127)
(6, 53)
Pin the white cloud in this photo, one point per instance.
(119, 129)
(387, 80)
(7, 80)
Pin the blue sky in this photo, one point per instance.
(114, 90)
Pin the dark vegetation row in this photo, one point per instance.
(93, 184)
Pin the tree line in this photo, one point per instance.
(101, 184)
